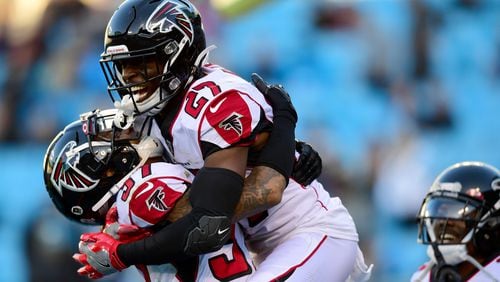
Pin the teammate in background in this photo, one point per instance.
(460, 221)
(216, 123)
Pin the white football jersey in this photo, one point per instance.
(423, 273)
(223, 110)
(145, 200)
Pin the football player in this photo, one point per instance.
(459, 220)
(88, 159)
(216, 123)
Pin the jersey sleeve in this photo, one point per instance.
(153, 200)
(149, 197)
(232, 118)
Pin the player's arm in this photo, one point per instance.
(265, 185)
(214, 195)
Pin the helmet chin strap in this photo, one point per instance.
(474, 262)
(447, 254)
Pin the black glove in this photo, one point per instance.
(278, 97)
(309, 165)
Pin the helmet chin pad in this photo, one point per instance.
(452, 254)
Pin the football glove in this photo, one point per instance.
(277, 96)
(124, 233)
(98, 255)
(309, 165)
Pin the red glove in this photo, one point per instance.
(98, 255)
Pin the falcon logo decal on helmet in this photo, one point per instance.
(167, 16)
(65, 173)
(232, 122)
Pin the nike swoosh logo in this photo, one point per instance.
(149, 187)
(102, 264)
(215, 108)
(222, 231)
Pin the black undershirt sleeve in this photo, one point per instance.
(215, 193)
(279, 151)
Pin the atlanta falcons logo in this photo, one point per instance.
(232, 122)
(156, 200)
(169, 15)
(67, 175)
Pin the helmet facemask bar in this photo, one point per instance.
(159, 81)
(448, 220)
(106, 142)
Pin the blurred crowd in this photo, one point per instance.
(390, 92)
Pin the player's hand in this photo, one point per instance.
(309, 165)
(277, 96)
(98, 255)
(124, 233)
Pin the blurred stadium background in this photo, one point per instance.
(390, 92)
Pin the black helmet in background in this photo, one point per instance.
(461, 208)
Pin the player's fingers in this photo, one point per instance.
(88, 237)
(95, 275)
(84, 247)
(311, 160)
(313, 173)
(305, 152)
(128, 229)
(80, 258)
(85, 270)
(259, 83)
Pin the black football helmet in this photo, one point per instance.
(170, 33)
(462, 206)
(82, 164)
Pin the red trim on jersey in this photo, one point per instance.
(127, 186)
(317, 197)
(146, 170)
(289, 272)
